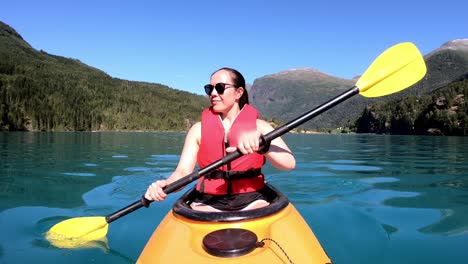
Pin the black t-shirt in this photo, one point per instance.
(233, 202)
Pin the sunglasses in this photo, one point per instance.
(220, 87)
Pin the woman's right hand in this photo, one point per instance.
(155, 191)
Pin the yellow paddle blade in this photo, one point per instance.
(77, 232)
(395, 69)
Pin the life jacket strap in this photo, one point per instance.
(232, 175)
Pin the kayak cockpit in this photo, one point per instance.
(277, 201)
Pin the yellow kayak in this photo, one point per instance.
(273, 234)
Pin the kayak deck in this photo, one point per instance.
(283, 235)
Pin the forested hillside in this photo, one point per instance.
(442, 112)
(40, 91)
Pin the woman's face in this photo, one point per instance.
(223, 103)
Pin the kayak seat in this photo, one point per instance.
(278, 201)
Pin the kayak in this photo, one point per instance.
(276, 233)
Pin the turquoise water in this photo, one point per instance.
(368, 198)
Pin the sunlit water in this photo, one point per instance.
(368, 198)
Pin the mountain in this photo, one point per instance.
(41, 91)
(286, 95)
(290, 93)
(444, 65)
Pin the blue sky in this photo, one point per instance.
(180, 43)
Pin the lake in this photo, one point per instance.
(368, 198)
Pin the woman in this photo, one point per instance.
(228, 124)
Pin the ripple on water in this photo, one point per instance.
(346, 161)
(379, 180)
(79, 174)
(163, 163)
(339, 166)
(119, 156)
(137, 169)
(337, 150)
(353, 167)
(165, 157)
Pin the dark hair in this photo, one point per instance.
(239, 81)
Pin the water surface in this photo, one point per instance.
(368, 198)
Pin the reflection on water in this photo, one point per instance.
(411, 186)
(57, 168)
(368, 198)
(450, 197)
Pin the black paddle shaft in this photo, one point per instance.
(237, 154)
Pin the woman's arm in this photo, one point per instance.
(188, 158)
(186, 164)
(279, 154)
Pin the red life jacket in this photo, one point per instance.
(242, 175)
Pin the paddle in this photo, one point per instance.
(395, 69)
